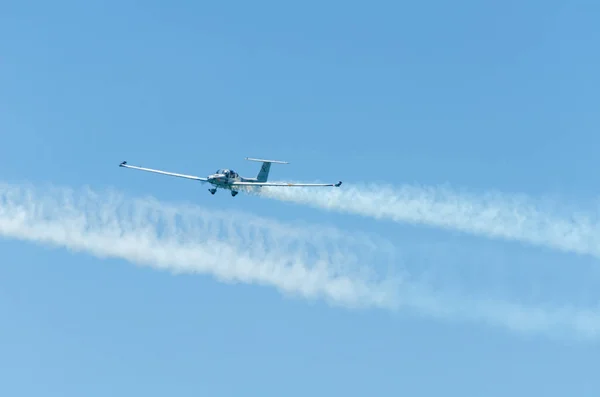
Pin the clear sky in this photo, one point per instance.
(498, 96)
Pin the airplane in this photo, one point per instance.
(228, 179)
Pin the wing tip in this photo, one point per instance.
(338, 184)
(122, 163)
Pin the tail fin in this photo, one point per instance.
(263, 174)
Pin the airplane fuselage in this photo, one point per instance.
(222, 181)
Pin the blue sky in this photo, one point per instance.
(481, 96)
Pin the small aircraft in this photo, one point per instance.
(230, 180)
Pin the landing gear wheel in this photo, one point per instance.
(234, 193)
(212, 191)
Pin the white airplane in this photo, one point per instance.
(231, 180)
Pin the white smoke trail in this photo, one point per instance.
(311, 262)
(185, 239)
(494, 215)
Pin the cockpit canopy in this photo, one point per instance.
(227, 173)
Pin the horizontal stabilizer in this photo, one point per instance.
(266, 161)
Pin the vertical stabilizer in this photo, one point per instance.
(263, 174)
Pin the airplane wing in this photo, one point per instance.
(196, 178)
(285, 184)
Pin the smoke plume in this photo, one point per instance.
(311, 262)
